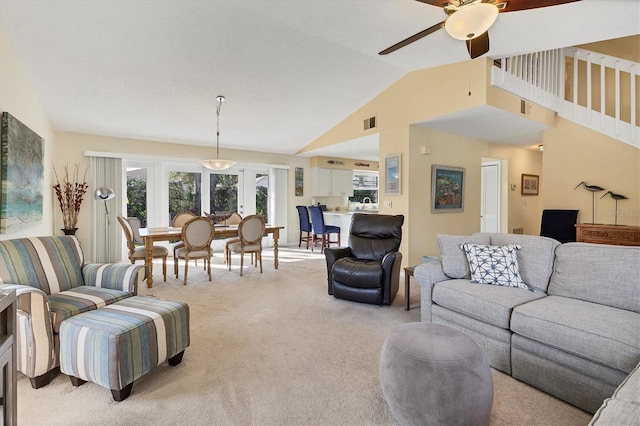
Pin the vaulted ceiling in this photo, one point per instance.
(290, 69)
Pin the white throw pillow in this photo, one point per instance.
(494, 264)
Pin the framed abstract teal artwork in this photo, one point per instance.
(22, 172)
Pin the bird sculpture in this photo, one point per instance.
(593, 189)
(590, 188)
(616, 197)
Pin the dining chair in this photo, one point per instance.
(250, 233)
(305, 226)
(322, 232)
(197, 235)
(233, 220)
(135, 226)
(178, 222)
(140, 253)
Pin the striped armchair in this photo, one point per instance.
(53, 283)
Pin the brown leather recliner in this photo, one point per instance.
(368, 270)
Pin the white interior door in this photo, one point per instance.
(490, 201)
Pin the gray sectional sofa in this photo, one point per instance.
(573, 333)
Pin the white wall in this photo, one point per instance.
(18, 98)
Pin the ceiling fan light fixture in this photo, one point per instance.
(217, 164)
(471, 21)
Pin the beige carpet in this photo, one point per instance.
(269, 349)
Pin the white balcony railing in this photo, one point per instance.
(550, 80)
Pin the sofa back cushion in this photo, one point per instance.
(454, 259)
(51, 264)
(603, 274)
(535, 257)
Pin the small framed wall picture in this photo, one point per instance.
(299, 182)
(393, 174)
(530, 184)
(447, 189)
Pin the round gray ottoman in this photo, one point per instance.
(432, 374)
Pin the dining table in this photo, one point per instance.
(150, 235)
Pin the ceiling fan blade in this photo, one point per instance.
(479, 45)
(413, 38)
(512, 5)
(515, 5)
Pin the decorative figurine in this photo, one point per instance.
(593, 189)
(616, 197)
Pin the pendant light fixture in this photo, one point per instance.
(217, 164)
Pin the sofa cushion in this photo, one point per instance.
(494, 264)
(623, 408)
(454, 260)
(599, 333)
(81, 299)
(629, 389)
(51, 264)
(535, 258)
(488, 303)
(602, 274)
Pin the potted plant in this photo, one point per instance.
(70, 193)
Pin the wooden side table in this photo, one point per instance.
(408, 273)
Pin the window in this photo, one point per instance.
(223, 193)
(365, 184)
(262, 195)
(184, 193)
(137, 193)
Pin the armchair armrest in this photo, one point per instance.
(391, 264)
(34, 331)
(331, 255)
(116, 276)
(427, 275)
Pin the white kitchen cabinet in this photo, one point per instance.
(332, 182)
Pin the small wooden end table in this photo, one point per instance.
(408, 273)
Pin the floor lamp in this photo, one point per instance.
(105, 194)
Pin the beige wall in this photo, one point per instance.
(18, 98)
(426, 94)
(72, 146)
(522, 210)
(573, 154)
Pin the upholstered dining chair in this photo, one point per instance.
(233, 220)
(197, 235)
(321, 231)
(178, 222)
(140, 252)
(135, 226)
(250, 233)
(305, 226)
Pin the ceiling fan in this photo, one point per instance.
(470, 20)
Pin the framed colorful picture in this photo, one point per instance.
(529, 184)
(447, 189)
(393, 174)
(22, 170)
(299, 182)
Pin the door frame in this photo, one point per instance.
(498, 190)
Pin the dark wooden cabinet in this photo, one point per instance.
(608, 234)
(8, 357)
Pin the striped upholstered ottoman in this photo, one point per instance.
(119, 343)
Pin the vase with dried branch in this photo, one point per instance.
(70, 192)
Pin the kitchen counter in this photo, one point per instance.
(350, 212)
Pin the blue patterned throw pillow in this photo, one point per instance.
(494, 264)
